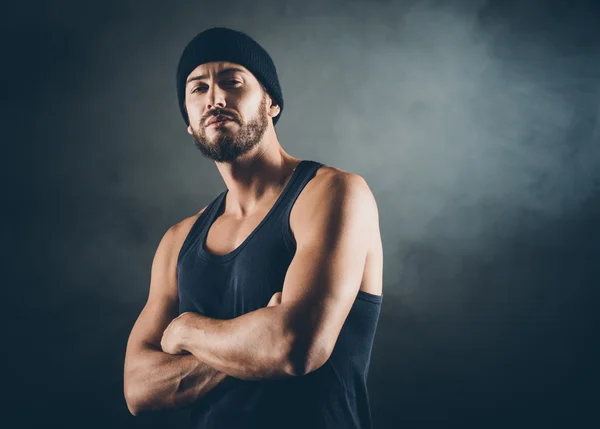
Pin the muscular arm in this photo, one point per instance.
(158, 380)
(153, 379)
(321, 284)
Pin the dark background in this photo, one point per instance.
(476, 124)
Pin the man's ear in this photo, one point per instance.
(274, 108)
(189, 130)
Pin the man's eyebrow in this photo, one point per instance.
(222, 72)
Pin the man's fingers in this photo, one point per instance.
(275, 300)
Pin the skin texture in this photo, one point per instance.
(175, 360)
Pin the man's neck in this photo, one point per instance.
(255, 178)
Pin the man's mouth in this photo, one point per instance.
(218, 120)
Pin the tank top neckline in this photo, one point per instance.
(203, 252)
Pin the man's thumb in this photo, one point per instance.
(275, 300)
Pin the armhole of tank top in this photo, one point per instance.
(194, 233)
(288, 237)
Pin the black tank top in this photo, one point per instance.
(227, 286)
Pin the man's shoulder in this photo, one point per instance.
(333, 201)
(178, 232)
(329, 179)
(331, 187)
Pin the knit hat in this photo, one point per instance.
(224, 44)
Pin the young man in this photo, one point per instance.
(263, 306)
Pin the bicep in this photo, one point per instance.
(325, 274)
(322, 282)
(162, 304)
(332, 243)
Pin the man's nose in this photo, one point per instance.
(215, 98)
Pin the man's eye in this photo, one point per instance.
(230, 82)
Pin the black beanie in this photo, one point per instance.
(224, 44)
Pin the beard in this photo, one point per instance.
(227, 145)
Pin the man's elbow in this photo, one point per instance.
(302, 359)
(136, 399)
(132, 403)
(132, 409)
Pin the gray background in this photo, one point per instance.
(476, 125)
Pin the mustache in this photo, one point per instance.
(220, 112)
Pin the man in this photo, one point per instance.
(263, 306)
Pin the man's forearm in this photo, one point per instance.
(253, 346)
(163, 381)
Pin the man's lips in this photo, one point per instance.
(220, 118)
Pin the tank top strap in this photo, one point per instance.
(307, 171)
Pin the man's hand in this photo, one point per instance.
(172, 338)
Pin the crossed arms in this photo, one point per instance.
(172, 361)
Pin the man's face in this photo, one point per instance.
(231, 91)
